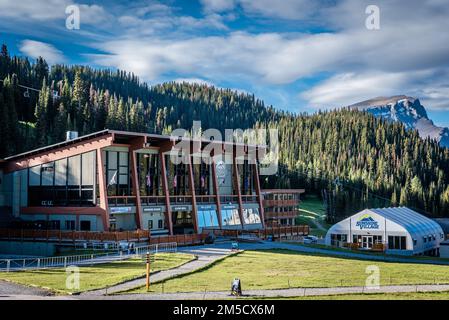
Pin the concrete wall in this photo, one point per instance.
(27, 248)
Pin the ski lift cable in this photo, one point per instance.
(25, 87)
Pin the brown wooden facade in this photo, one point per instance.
(281, 206)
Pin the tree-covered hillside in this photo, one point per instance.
(345, 155)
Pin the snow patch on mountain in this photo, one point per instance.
(407, 110)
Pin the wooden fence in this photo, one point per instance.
(180, 239)
(73, 236)
(274, 232)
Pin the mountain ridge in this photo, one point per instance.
(407, 110)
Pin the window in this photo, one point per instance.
(160, 224)
(70, 225)
(251, 216)
(397, 242)
(338, 239)
(54, 225)
(230, 217)
(85, 225)
(424, 239)
(64, 182)
(117, 173)
(150, 224)
(356, 238)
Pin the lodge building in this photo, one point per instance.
(281, 206)
(115, 180)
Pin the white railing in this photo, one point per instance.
(8, 265)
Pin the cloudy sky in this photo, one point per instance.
(297, 55)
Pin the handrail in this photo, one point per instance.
(76, 260)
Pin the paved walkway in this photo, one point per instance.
(206, 255)
(220, 295)
(9, 288)
(294, 292)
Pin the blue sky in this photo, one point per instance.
(297, 55)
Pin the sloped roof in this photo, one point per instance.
(416, 224)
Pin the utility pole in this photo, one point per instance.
(148, 271)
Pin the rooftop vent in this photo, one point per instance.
(70, 135)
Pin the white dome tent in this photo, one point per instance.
(395, 230)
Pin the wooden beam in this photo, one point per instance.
(103, 190)
(60, 153)
(166, 192)
(193, 193)
(217, 192)
(239, 190)
(259, 193)
(136, 144)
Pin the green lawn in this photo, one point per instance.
(283, 269)
(97, 276)
(311, 209)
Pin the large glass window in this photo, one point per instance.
(201, 174)
(65, 182)
(251, 216)
(230, 217)
(207, 218)
(117, 173)
(148, 169)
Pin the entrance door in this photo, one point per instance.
(367, 242)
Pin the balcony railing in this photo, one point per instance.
(122, 200)
(286, 214)
(206, 198)
(179, 199)
(281, 203)
(152, 200)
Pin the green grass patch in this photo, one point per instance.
(311, 210)
(96, 276)
(377, 296)
(280, 269)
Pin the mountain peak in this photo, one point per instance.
(407, 110)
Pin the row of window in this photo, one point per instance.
(160, 224)
(69, 225)
(281, 196)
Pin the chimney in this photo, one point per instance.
(70, 135)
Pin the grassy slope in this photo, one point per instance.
(311, 209)
(97, 276)
(284, 269)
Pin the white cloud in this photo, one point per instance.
(218, 5)
(348, 88)
(35, 49)
(285, 9)
(43, 10)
